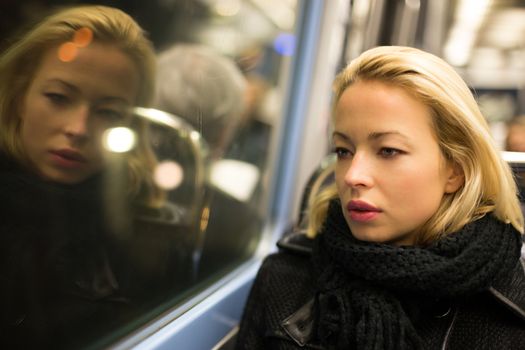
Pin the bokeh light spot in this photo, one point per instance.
(168, 175)
(83, 37)
(284, 44)
(119, 140)
(67, 52)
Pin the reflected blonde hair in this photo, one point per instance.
(462, 132)
(20, 62)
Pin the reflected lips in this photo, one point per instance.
(361, 211)
(66, 158)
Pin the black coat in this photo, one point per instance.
(280, 304)
(55, 271)
(67, 276)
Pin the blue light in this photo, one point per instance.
(284, 44)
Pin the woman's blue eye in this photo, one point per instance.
(342, 153)
(388, 152)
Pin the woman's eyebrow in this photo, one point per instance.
(372, 136)
(62, 83)
(75, 89)
(340, 135)
(382, 134)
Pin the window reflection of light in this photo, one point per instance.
(284, 44)
(168, 175)
(119, 140)
(83, 37)
(67, 52)
(195, 136)
(236, 178)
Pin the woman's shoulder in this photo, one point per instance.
(296, 243)
(293, 256)
(283, 284)
(287, 271)
(493, 319)
(510, 291)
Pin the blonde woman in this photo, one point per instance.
(416, 244)
(73, 76)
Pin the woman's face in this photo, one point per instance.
(69, 105)
(390, 173)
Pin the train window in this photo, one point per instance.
(183, 197)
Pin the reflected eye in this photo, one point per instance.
(57, 98)
(388, 152)
(342, 153)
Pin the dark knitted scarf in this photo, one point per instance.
(359, 282)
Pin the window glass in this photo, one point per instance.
(184, 193)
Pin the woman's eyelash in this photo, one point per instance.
(386, 152)
(389, 152)
(342, 152)
(56, 97)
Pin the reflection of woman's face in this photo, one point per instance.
(68, 106)
(390, 173)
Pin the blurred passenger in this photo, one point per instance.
(252, 142)
(203, 87)
(207, 89)
(416, 244)
(253, 139)
(515, 141)
(69, 79)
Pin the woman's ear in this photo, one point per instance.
(455, 178)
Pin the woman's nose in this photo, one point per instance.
(359, 173)
(77, 124)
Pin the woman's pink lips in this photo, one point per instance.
(361, 211)
(66, 158)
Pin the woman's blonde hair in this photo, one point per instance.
(20, 62)
(462, 132)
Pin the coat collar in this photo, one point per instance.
(296, 242)
(300, 325)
